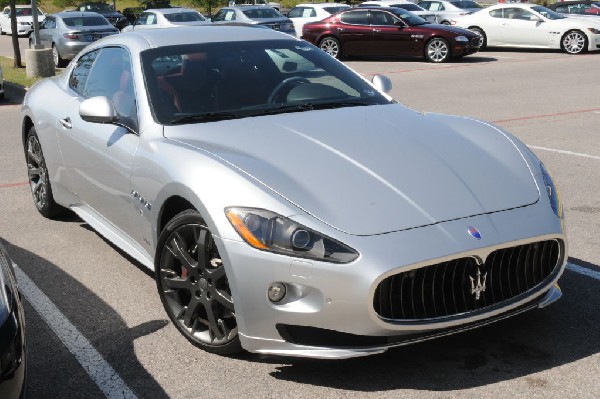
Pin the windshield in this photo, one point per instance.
(335, 10)
(85, 21)
(215, 81)
(465, 4)
(408, 17)
(546, 12)
(184, 17)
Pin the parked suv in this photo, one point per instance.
(117, 19)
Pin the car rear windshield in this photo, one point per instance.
(208, 81)
(85, 21)
(264, 12)
(408, 7)
(334, 10)
(184, 17)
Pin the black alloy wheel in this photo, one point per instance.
(39, 182)
(193, 285)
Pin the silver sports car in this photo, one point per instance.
(287, 205)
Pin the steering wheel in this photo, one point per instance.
(279, 88)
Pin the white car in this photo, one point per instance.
(24, 20)
(167, 18)
(532, 26)
(405, 5)
(311, 12)
(446, 11)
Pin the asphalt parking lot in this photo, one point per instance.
(95, 325)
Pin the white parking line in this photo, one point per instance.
(577, 154)
(105, 377)
(583, 270)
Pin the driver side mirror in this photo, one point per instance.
(399, 24)
(98, 110)
(382, 83)
(536, 18)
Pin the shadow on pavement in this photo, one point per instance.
(539, 340)
(52, 369)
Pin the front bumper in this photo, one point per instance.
(328, 312)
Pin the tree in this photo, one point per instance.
(15, 37)
(208, 4)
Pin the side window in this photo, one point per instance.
(512, 13)
(381, 18)
(111, 77)
(355, 17)
(524, 15)
(230, 15)
(425, 4)
(309, 13)
(80, 73)
(436, 6)
(151, 19)
(49, 23)
(496, 13)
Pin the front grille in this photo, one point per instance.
(455, 287)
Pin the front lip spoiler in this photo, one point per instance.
(287, 348)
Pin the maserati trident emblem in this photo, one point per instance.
(478, 284)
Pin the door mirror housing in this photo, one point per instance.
(98, 110)
(382, 83)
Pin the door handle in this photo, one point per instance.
(66, 122)
(376, 30)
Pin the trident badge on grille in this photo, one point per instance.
(478, 284)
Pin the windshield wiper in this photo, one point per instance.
(207, 117)
(311, 106)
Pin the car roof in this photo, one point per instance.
(66, 14)
(174, 10)
(153, 38)
(321, 5)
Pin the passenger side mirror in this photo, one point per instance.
(399, 24)
(382, 83)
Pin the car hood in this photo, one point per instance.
(375, 169)
(446, 28)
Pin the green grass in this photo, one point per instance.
(15, 75)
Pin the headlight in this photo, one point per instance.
(594, 31)
(461, 39)
(553, 193)
(268, 231)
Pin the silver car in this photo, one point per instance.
(255, 15)
(67, 33)
(286, 205)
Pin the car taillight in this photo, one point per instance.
(70, 36)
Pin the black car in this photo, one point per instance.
(581, 7)
(12, 333)
(117, 19)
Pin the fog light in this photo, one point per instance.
(276, 292)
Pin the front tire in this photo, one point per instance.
(193, 285)
(39, 181)
(574, 42)
(437, 50)
(331, 46)
(482, 37)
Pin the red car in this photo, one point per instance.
(389, 32)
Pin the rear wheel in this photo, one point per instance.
(39, 181)
(574, 42)
(331, 46)
(58, 61)
(193, 285)
(437, 50)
